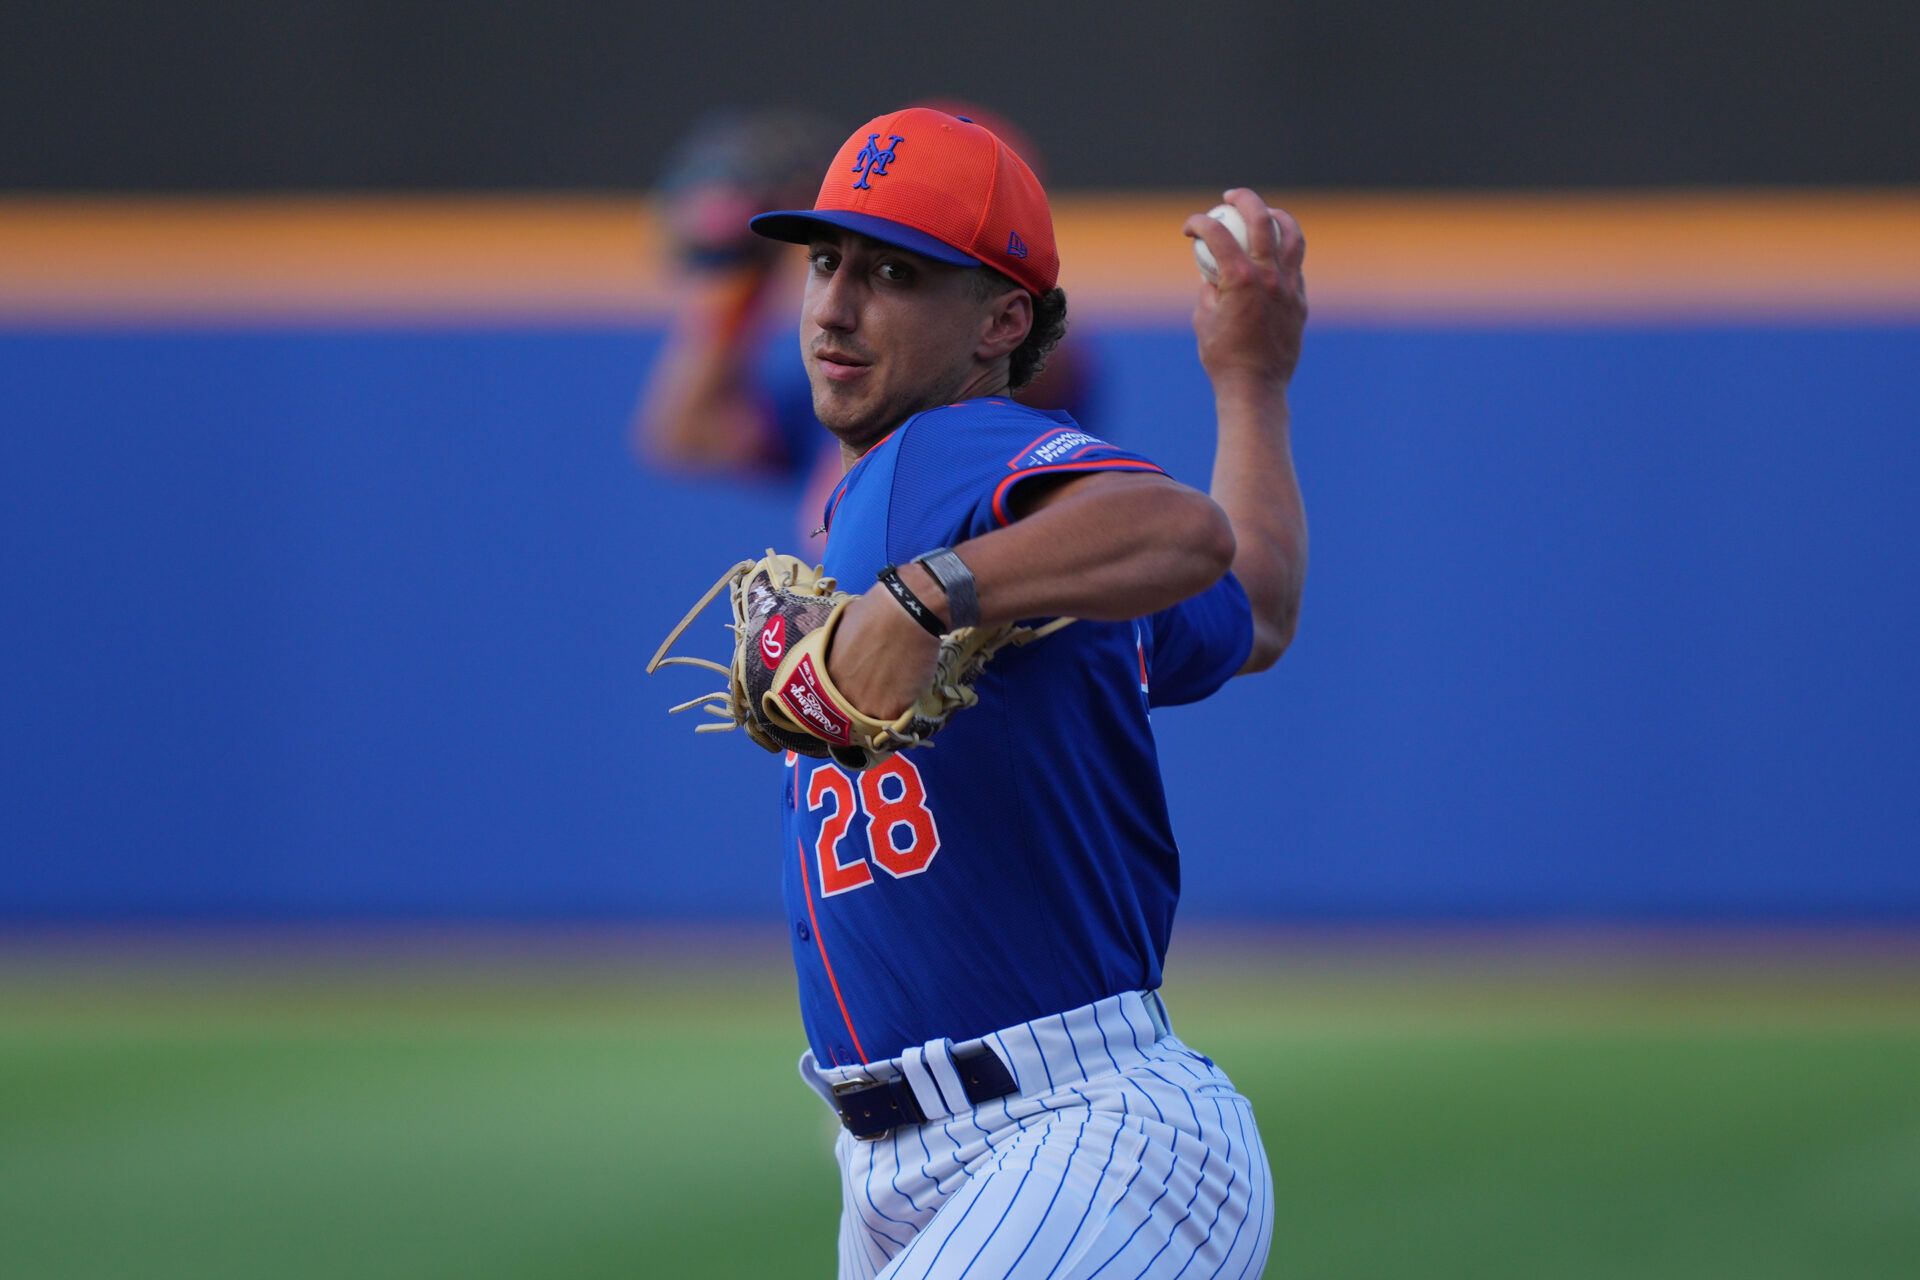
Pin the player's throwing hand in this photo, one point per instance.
(1249, 322)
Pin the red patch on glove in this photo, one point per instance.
(801, 695)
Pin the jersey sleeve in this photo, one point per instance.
(959, 467)
(1198, 644)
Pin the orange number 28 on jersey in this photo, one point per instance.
(902, 836)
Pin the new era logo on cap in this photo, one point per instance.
(952, 191)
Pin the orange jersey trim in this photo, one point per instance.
(1118, 464)
(806, 885)
(840, 493)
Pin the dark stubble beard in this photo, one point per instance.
(857, 435)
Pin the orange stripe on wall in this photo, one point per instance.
(1548, 256)
(1370, 257)
(335, 257)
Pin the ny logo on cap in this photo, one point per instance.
(872, 162)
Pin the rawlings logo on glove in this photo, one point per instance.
(773, 641)
(801, 695)
(778, 686)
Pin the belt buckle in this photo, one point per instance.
(847, 1088)
(853, 1084)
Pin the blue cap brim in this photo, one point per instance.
(797, 226)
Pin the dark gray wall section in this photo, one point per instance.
(411, 94)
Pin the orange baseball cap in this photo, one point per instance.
(938, 185)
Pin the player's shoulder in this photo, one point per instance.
(995, 429)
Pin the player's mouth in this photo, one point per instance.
(838, 366)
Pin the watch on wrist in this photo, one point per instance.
(951, 572)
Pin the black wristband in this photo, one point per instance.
(913, 604)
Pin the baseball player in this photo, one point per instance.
(978, 927)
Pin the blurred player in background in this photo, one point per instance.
(728, 393)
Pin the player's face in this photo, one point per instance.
(887, 333)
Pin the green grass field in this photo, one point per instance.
(620, 1118)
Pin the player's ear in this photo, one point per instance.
(1008, 320)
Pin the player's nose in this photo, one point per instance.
(833, 303)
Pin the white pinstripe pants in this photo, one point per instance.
(1124, 1155)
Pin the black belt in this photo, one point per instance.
(873, 1110)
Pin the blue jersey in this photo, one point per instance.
(1024, 863)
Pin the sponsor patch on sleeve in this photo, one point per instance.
(1062, 444)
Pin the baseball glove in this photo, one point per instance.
(785, 614)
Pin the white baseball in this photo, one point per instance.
(1229, 217)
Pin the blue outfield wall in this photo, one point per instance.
(1602, 624)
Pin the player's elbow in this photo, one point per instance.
(1273, 591)
(1206, 535)
(688, 440)
(1271, 637)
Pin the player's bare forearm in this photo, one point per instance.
(1106, 546)
(1255, 484)
(1249, 324)
(701, 408)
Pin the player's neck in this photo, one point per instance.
(990, 380)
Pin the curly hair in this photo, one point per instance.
(1049, 326)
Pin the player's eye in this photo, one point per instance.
(895, 272)
(823, 261)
